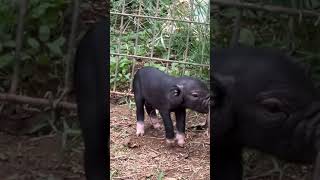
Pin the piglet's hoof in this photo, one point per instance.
(180, 139)
(208, 133)
(155, 123)
(156, 126)
(140, 129)
(170, 142)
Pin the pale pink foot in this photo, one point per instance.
(140, 128)
(180, 139)
(170, 142)
(208, 132)
(155, 122)
(208, 122)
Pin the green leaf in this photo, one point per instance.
(33, 43)
(55, 46)
(230, 13)
(54, 49)
(43, 59)
(160, 175)
(38, 127)
(162, 68)
(5, 60)
(246, 37)
(146, 64)
(44, 33)
(25, 56)
(5, 36)
(60, 41)
(10, 44)
(40, 10)
(187, 73)
(315, 3)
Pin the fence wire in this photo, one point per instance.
(170, 35)
(53, 100)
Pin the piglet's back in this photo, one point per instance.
(152, 81)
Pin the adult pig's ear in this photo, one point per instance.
(176, 94)
(221, 113)
(222, 85)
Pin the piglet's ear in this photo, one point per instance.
(176, 94)
(176, 90)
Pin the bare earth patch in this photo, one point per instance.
(149, 157)
(38, 158)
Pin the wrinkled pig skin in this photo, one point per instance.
(261, 99)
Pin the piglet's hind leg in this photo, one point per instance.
(140, 128)
(153, 116)
(140, 115)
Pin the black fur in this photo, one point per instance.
(262, 100)
(92, 92)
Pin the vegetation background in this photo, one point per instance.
(38, 142)
(166, 39)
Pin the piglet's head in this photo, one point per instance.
(190, 93)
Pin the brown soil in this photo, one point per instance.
(149, 157)
(24, 158)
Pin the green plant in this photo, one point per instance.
(160, 175)
(124, 71)
(174, 40)
(43, 42)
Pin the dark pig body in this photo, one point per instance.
(262, 100)
(91, 85)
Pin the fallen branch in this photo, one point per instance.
(121, 93)
(268, 8)
(18, 99)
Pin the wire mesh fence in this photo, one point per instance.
(41, 37)
(27, 48)
(170, 35)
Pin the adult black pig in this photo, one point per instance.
(262, 100)
(91, 85)
(154, 89)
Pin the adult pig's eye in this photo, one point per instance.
(273, 105)
(195, 95)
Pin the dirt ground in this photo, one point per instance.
(148, 157)
(38, 158)
(41, 158)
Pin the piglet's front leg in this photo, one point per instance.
(168, 126)
(181, 126)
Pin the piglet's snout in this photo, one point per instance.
(205, 103)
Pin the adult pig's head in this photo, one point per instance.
(263, 100)
(190, 93)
